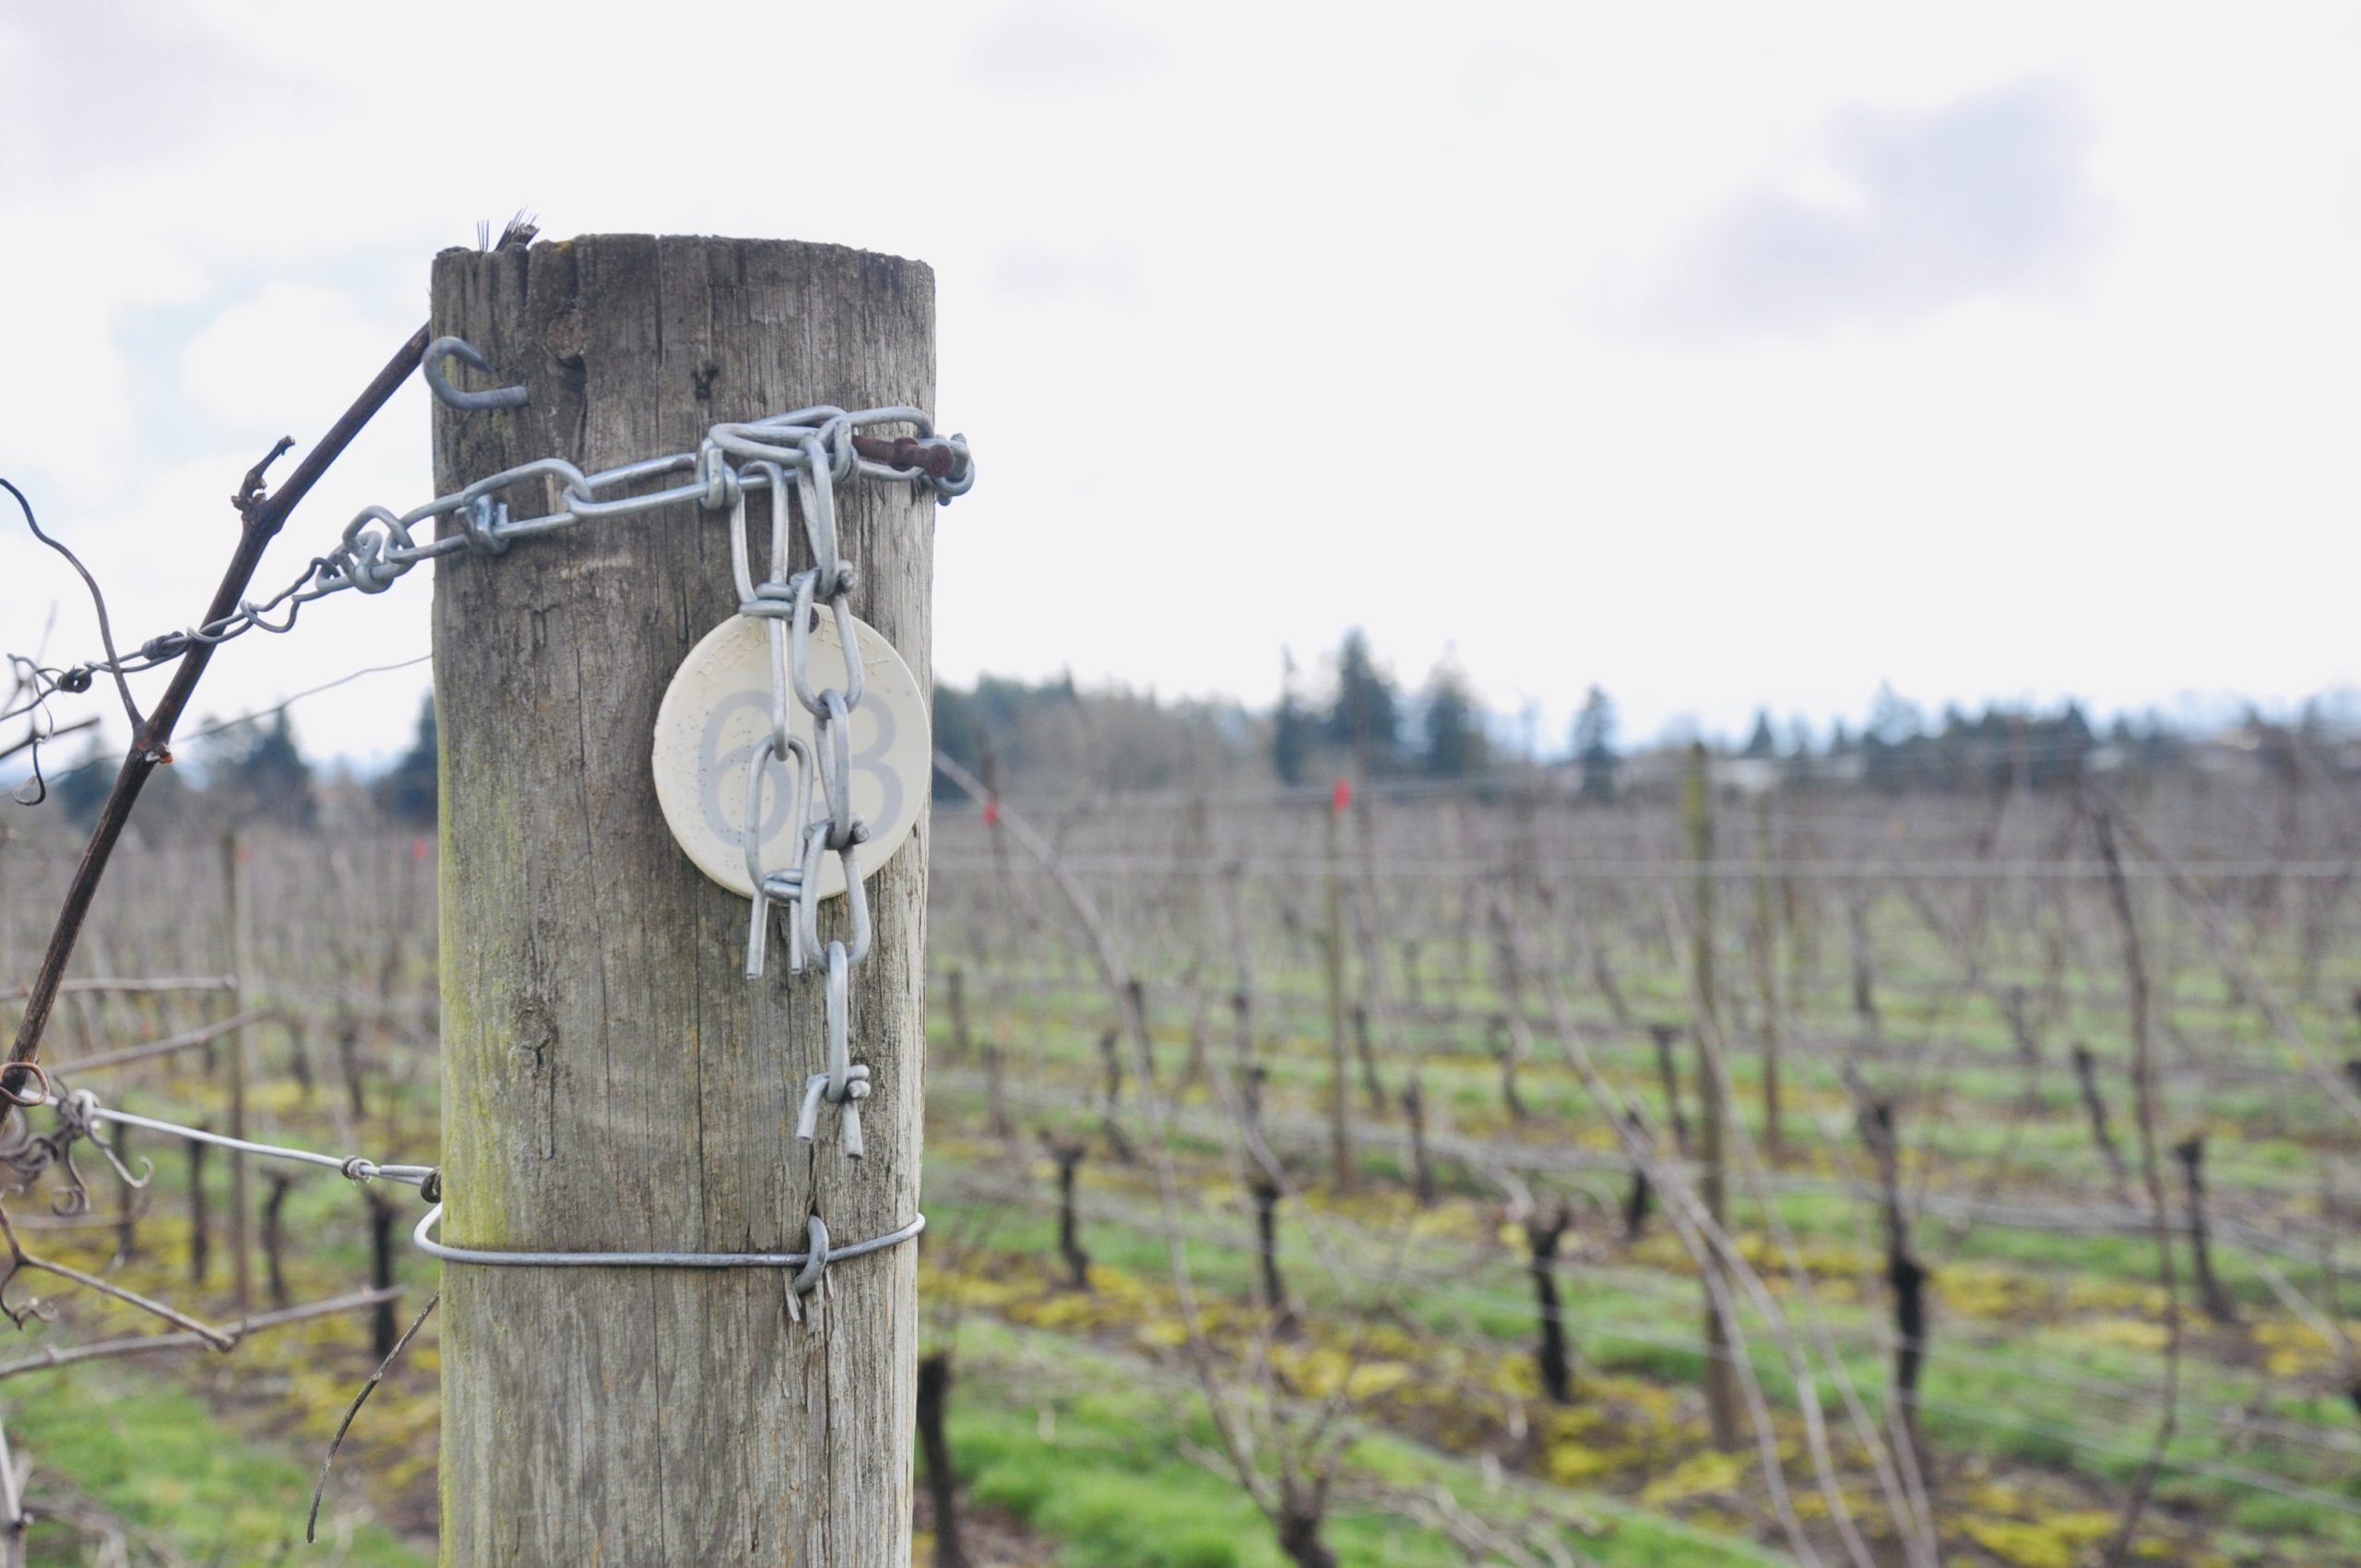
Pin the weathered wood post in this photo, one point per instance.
(242, 957)
(1766, 971)
(126, 1231)
(274, 1233)
(611, 1079)
(1713, 1106)
(1340, 1098)
(200, 1223)
(383, 1329)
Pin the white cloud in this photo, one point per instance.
(85, 89)
(1266, 328)
(288, 352)
(1058, 47)
(1896, 216)
(1038, 274)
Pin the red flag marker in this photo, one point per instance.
(1340, 794)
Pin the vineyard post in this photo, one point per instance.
(241, 949)
(1697, 813)
(613, 1081)
(1766, 971)
(1340, 1100)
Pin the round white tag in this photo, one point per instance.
(716, 712)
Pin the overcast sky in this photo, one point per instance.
(1719, 356)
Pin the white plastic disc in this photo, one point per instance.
(716, 712)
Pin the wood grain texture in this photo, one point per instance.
(611, 1078)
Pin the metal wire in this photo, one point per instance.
(377, 547)
(820, 1248)
(80, 1107)
(797, 459)
(351, 1168)
(254, 717)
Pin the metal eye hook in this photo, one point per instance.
(122, 1171)
(815, 1270)
(451, 396)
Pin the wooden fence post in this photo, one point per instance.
(611, 1079)
(126, 1231)
(1766, 972)
(242, 957)
(274, 1234)
(200, 1224)
(383, 1330)
(1713, 1106)
(1340, 1095)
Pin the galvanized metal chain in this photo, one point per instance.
(797, 459)
(379, 546)
(819, 775)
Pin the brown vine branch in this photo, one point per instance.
(151, 745)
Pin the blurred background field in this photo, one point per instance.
(1393, 1174)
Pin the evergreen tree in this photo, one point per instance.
(1889, 741)
(1800, 760)
(1595, 745)
(82, 788)
(407, 793)
(265, 776)
(1452, 744)
(2159, 744)
(1952, 762)
(953, 714)
(2066, 743)
(1292, 734)
(1292, 729)
(2074, 727)
(1366, 718)
(1762, 743)
(1894, 718)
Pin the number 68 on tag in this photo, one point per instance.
(716, 712)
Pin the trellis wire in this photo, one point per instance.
(377, 549)
(812, 448)
(79, 1106)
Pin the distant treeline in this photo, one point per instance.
(1353, 717)
(247, 772)
(1348, 716)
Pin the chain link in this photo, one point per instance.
(379, 547)
(819, 779)
(796, 459)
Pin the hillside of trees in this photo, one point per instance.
(1347, 716)
(243, 772)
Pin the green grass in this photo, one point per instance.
(1093, 1455)
(151, 1454)
(1998, 1401)
(1091, 1452)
